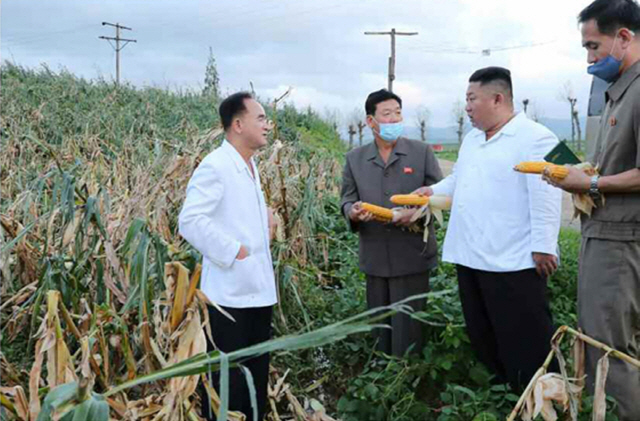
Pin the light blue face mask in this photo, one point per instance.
(608, 68)
(390, 132)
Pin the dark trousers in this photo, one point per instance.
(251, 326)
(609, 311)
(508, 321)
(405, 330)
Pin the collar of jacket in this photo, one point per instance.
(235, 156)
(400, 148)
(621, 85)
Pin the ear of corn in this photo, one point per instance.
(533, 167)
(409, 200)
(379, 213)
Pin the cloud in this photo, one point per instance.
(318, 46)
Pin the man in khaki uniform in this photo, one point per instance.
(609, 273)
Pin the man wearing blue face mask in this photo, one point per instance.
(395, 260)
(609, 271)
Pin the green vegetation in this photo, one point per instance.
(93, 181)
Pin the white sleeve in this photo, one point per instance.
(204, 193)
(447, 185)
(545, 202)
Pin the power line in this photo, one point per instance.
(392, 59)
(27, 39)
(117, 47)
(427, 48)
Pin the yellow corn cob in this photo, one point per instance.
(379, 213)
(530, 167)
(409, 200)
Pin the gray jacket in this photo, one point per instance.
(387, 250)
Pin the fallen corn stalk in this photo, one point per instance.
(572, 392)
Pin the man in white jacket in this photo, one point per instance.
(503, 231)
(226, 219)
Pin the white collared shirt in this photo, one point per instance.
(224, 209)
(499, 217)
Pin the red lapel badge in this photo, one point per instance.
(408, 170)
(613, 121)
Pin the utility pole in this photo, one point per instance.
(117, 47)
(392, 59)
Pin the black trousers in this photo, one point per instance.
(405, 331)
(508, 321)
(251, 326)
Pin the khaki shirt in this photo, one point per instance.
(617, 150)
(387, 250)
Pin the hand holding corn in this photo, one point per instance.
(575, 179)
(358, 213)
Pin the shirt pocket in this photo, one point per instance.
(245, 277)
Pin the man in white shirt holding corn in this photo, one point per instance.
(226, 219)
(503, 231)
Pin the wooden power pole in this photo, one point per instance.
(392, 59)
(117, 47)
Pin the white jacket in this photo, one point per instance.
(224, 209)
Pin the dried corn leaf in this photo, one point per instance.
(59, 364)
(70, 231)
(34, 381)
(578, 367)
(548, 388)
(193, 284)
(599, 396)
(20, 403)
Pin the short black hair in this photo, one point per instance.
(232, 106)
(611, 15)
(376, 98)
(496, 75)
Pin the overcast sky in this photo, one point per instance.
(317, 47)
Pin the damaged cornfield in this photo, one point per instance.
(100, 310)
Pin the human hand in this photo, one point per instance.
(423, 191)
(358, 214)
(242, 253)
(402, 216)
(575, 182)
(546, 264)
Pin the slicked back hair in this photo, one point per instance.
(611, 15)
(232, 106)
(498, 76)
(377, 97)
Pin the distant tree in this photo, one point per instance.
(423, 115)
(352, 132)
(211, 78)
(459, 117)
(357, 120)
(332, 117)
(566, 94)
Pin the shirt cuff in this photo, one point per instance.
(545, 248)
